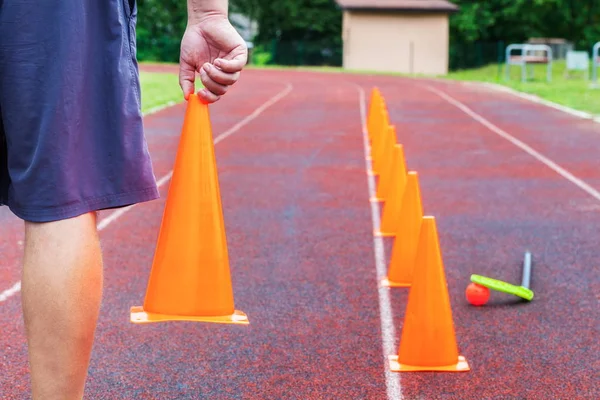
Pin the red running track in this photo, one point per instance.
(303, 260)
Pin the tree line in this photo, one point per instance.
(309, 31)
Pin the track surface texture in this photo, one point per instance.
(300, 232)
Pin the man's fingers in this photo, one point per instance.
(232, 66)
(221, 76)
(211, 85)
(212, 91)
(187, 77)
(207, 96)
(187, 88)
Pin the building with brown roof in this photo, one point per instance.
(406, 36)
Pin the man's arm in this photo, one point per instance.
(211, 47)
(201, 9)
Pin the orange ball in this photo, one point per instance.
(477, 295)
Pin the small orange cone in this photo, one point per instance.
(190, 278)
(378, 114)
(374, 106)
(391, 208)
(379, 111)
(379, 142)
(379, 147)
(389, 179)
(428, 342)
(404, 251)
(384, 182)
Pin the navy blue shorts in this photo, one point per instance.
(71, 132)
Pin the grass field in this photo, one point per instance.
(159, 89)
(574, 92)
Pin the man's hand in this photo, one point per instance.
(212, 47)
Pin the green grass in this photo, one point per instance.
(159, 89)
(574, 92)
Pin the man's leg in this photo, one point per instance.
(74, 145)
(62, 290)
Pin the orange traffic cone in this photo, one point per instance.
(374, 106)
(383, 184)
(377, 107)
(377, 117)
(379, 142)
(404, 251)
(428, 342)
(190, 278)
(391, 208)
(390, 178)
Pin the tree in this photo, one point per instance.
(160, 26)
(479, 27)
(300, 31)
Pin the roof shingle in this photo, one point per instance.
(414, 5)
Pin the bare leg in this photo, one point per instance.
(61, 291)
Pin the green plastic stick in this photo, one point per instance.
(502, 286)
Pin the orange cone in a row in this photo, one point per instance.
(404, 251)
(384, 183)
(380, 140)
(428, 341)
(387, 181)
(190, 278)
(377, 124)
(373, 116)
(391, 208)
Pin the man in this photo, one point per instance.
(71, 143)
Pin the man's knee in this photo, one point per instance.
(86, 222)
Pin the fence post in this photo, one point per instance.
(273, 51)
(500, 57)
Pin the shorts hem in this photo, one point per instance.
(85, 206)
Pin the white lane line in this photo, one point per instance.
(526, 148)
(255, 114)
(5, 295)
(10, 292)
(160, 108)
(388, 332)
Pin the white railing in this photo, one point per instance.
(595, 61)
(529, 55)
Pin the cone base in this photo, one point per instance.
(387, 283)
(460, 366)
(139, 316)
(384, 234)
